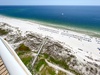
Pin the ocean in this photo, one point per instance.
(85, 17)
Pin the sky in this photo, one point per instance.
(50, 2)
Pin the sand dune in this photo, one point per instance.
(82, 45)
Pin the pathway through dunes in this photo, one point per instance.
(3, 70)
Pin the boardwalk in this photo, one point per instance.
(44, 41)
(3, 70)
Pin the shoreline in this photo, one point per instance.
(82, 45)
(59, 26)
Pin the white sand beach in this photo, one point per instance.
(83, 46)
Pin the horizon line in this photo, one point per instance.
(49, 5)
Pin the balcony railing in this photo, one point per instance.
(11, 60)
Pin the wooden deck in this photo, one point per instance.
(3, 70)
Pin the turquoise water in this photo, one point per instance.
(85, 17)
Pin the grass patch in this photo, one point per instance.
(19, 53)
(40, 63)
(47, 71)
(61, 73)
(61, 63)
(26, 60)
(22, 47)
(3, 32)
(51, 71)
(45, 55)
(24, 53)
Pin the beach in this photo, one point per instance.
(83, 46)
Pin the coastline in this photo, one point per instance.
(74, 29)
(70, 39)
(89, 32)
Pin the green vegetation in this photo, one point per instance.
(45, 55)
(59, 62)
(40, 63)
(61, 73)
(3, 32)
(21, 53)
(41, 66)
(62, 63)
(47, 71)
(26, 59)
(25, 55)
(50, 70)
(22, 47)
